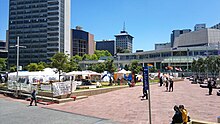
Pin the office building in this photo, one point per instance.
(162, 46)
(124, 40)
(43, 27)
(198, 38)
(108, 45)
(177, 33)
(198, 27)
(82, 42)
(3, 49)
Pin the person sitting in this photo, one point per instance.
(184, 114)
(177, 117)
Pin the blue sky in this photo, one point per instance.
(149, 21)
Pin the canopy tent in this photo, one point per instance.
(123, 71)
(120, 74)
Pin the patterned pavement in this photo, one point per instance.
(126, 106)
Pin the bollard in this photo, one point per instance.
(218, 119)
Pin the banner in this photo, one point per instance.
(62, 88)
(145, 78)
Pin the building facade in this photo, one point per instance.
(198, 27)
(124, 41)
(198, 38)
(217, 26)
(3, 49)
(162, 46)
(82, 42)
(177, 33)
(43, 27)
(108, 45)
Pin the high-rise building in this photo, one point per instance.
(177, 33)
(108, 45)
(3, 49)
(198, 27)
(43, 26)
(82, 42)
(124, 40)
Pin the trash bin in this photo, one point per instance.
(218, 119)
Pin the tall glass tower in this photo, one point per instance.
(43, 26)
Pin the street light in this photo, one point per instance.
(18, 46)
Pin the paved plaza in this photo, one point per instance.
(126, 106)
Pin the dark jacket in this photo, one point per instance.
(177, 118)
(33, 95)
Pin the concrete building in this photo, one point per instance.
(124, 40)
(108, 45)
(198, 27)
(82, 42)
(177, 33)
(198, 38)
(217, 26)
(162, 46)
(43, 26)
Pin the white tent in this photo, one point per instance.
(123, 71)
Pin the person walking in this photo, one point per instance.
(161, 81)
(167, 84)
(184, 114)
(210, 87)
(171, 85)
(33, 98)
(177, 117)
(145, 93)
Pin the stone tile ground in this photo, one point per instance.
(126, 105)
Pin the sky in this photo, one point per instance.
(148, 21)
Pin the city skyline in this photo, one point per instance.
(149, 22)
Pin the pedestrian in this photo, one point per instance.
(177, 117)
(210, 87)
(184, 114)
(167, 84)
(33, 98)
(145, 94)
(161, 81)
(171, 85)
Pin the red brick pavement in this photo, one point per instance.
(126, 106)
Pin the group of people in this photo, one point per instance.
(181, 115)
(168, 82)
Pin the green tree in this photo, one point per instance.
(135, 67)
(86, 57)
(2, 64)
(73, 64)
(59, 61)
(32, 67)
(99, 67)
(13, 68)
(126, 67)
(102, 53)
(110, 67)
(153, 69)
(41, 66)
(94, 57)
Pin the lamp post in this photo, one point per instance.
(18, 46)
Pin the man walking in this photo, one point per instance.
(33, 98)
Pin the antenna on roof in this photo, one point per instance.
(124, 26)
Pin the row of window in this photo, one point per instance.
(168, 54)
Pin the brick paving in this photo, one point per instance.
(125, 105)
